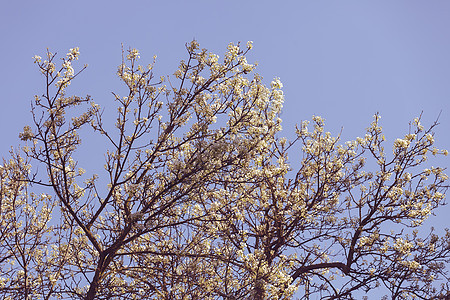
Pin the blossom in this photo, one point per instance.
(73, 53)
(276, 83)
(133, 54)
(37, 59)
(400, 143)
(27, 134)
(403, 246)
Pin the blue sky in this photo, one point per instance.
(343, 60)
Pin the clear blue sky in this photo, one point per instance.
(343, 60)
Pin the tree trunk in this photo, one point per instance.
(93, 288)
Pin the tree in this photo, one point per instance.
(198, 199)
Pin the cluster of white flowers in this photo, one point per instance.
(403, 246)
(73, 54)
(367, 241)
(133, 54)
(410, 264)
(27, 134)
(399, 143)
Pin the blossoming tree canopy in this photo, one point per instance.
(198, 198)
